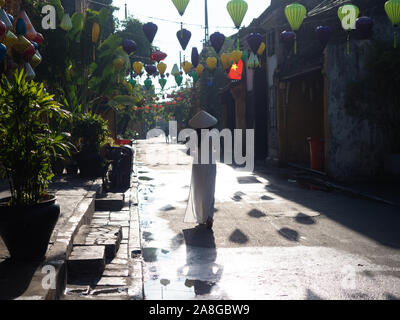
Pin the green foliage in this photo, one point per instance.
(27, 143)
(375, 97)
(92, 131)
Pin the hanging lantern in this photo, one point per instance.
(158, 56)
(129, 46)
(254, 41)
(194, 76)
(137, 67)
(30, 32)
(36, 60)
(236, 71)
(175, 70)
(28, 53)
(184, 36)
(118, 63)
(162, 83)
(253, 61)
(150, 69)
(186, 65)
(4, 17)
(288, 38)
(20, 27)
(181, 5)
(11, 18)
(161, 67)
(132, 82)
(66, 23)
(261, 49)
(199, 70)
(347, 15)
(178, 79)
(39, 38)
(392, 8)
(30, 74)
(217, 40)
(195, 57)
(236, 55)
(226, 61)
(22, 44)
(95, 37)
(10, 39)
(364, 27)
(148, 83)
(211, 63)
(237, 10)
(324, 34)
(245, 55)
(3, 30)
(295, 14)
(3, 51)
(150, 30)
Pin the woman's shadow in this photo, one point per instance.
(201, 271)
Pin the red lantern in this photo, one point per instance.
(39, 38)
(173, 102)
(160, 106)
(154, 106)
(147, 107)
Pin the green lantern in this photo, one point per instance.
(148, 84)
(181, 5)
(348, 15)
(178, 79)
(237, 10)
(295, 14)
(392, 8)
(162, 83)
(132, 82)
(195, 76)
(245, 56)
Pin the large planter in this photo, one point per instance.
(90, 164)
(26, 231)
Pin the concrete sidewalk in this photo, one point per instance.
(76, 197)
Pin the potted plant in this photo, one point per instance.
(27, 146)
(93, 132)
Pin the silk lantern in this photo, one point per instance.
(217, 40)
(118, 63)
(347, 14)
(66, 23)
(161, 67)
(4, 17)
(95, 37)
(3, 51)
(226, 61)
(392, 8)
(162, 83)
(3, 30)
(178, 79)
(158, 56)
(195, 57)
(199, 69)
(137, 67)
(129, 46)
(150, 69)
(150, 31)
(261, 48)
(254, 41)
(186, 65)
(148, 83)
(211, 63)
(295, 14)
(132, 82)
(288, 38)
(237, 10)
(184, 36)
(236, 55)
(175, 70)
(181, 5)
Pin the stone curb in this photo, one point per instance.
(41, 287)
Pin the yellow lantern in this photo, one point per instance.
(236, 55)
(137, 67)
(36, 60)
(199, 69)
(22, 44)
(261, 49)
(161, 67)
(10, 40)
(118, 64)
(211, 63)
(226, 60)
(95, 37)
(186, 65)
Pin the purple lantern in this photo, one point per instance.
(195, 57)
(129, 46)
(150, 69)
(217, 40)
(364, 27)
(324, 34)
(184, 36)
(288, 38)
(150, 30)
(254, 40)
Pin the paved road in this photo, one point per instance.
(272, 239)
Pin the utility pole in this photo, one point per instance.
(206, 23)
(126, 11)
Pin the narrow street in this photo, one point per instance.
(272, 239)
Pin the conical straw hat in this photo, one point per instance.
(202, 120)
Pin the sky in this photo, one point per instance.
(193, 20)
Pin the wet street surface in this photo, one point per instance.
(271, 239)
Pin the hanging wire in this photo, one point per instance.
(325, 6)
